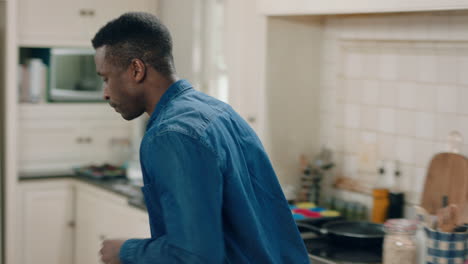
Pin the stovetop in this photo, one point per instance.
(323, 248)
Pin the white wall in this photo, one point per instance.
(245, 38)
(292, 90)
(2, 149)
(393, 87)
(2, 88)
(181, 19)
(243, 42)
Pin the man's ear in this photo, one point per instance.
(138, 70)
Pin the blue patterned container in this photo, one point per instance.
(446, 248)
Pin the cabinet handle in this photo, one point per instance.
(85, 140)
(72, 224)
(87, 12)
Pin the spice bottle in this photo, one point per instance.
(400, 242)
(397, 197)
(380, 198)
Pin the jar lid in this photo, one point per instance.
(401, 225)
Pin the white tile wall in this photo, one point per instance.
(386, 117)
(405, 122)
(447, 98)
(370, 95)
(425, 126)
(401, 85)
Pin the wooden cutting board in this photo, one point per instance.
(447, 175)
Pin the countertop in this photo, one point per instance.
(133, 194)
(121, 187)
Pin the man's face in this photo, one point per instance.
(120, 89)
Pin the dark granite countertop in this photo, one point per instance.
(118, 186)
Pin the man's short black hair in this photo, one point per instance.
(137, 35)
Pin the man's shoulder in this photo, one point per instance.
(190, 114)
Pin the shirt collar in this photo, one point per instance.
(172, 92)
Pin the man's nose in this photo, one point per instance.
(106, 95)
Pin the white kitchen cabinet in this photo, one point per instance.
(64, 221)
(68, 22)
(2, 133)
(56, 137)
(292, 81)
(46, 222)
(88, 241)
(245, 42)
(105, 10)
(103, 215)
(49, 21)
(308, 7)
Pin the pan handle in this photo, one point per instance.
(314, 229)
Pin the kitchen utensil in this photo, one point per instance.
(306, 180)
(447, 175)
(462, 229)
(423, 216)
(359, 234)
(464, 214)
(448, 218)
(455, 142)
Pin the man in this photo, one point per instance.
(211, 192)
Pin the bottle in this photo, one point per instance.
(421, 246)
(380, 196)
(400, 242)
(396, 197)
(361, 212)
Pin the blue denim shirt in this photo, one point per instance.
(211, 192)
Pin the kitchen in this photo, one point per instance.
(371, 81)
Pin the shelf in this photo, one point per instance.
(333, 7)
(353, 185)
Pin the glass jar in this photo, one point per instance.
(400, 241)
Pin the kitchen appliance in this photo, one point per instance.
(72, 76)
(446, 176)
(323, 249)
(356, 234)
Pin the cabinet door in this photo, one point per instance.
(88, 228)
(47, 217)
(127, 222)
(49, 22)
(245, 39)
(107, 141)
(68, 22)
(102, 215)
(54, 138)
(307, 7)
(48, 145)
(102, 13)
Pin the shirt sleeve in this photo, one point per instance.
(188, 183)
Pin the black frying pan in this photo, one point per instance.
(349, 233)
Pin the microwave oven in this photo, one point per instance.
(73, 77)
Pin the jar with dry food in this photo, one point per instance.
(400, 242)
